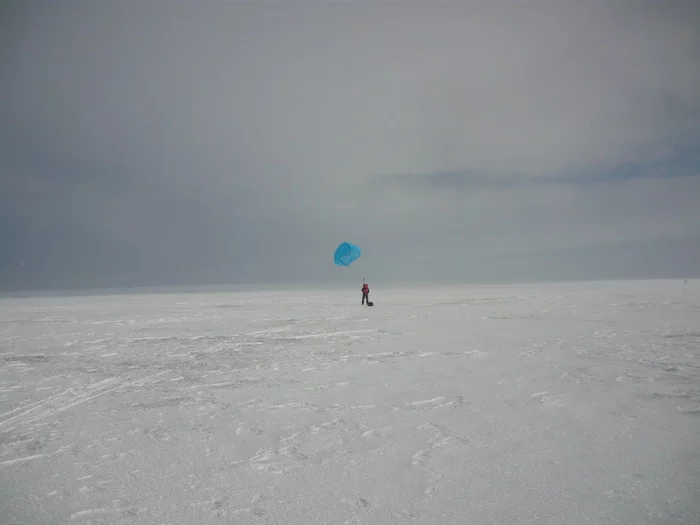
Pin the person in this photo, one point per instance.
(365, 293)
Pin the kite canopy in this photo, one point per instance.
(346, 254)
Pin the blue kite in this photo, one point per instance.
(346, 254)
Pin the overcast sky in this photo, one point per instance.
(148, 143)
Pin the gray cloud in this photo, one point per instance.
(149, 143)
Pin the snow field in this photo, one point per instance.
(563, 403)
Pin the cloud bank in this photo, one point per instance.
(163, 143)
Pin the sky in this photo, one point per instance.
(203, 142)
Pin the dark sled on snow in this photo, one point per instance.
(370, 303)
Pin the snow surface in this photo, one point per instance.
(549, 404)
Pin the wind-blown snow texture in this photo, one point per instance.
(557, 404)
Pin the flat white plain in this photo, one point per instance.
(563, 403)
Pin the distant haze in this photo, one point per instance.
(176, 143)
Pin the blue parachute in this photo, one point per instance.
(346, 254)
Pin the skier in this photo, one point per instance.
(365, 293)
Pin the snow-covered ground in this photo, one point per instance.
(551, 404)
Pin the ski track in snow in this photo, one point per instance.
(560, 403)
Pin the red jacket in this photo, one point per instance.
(365, 288)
